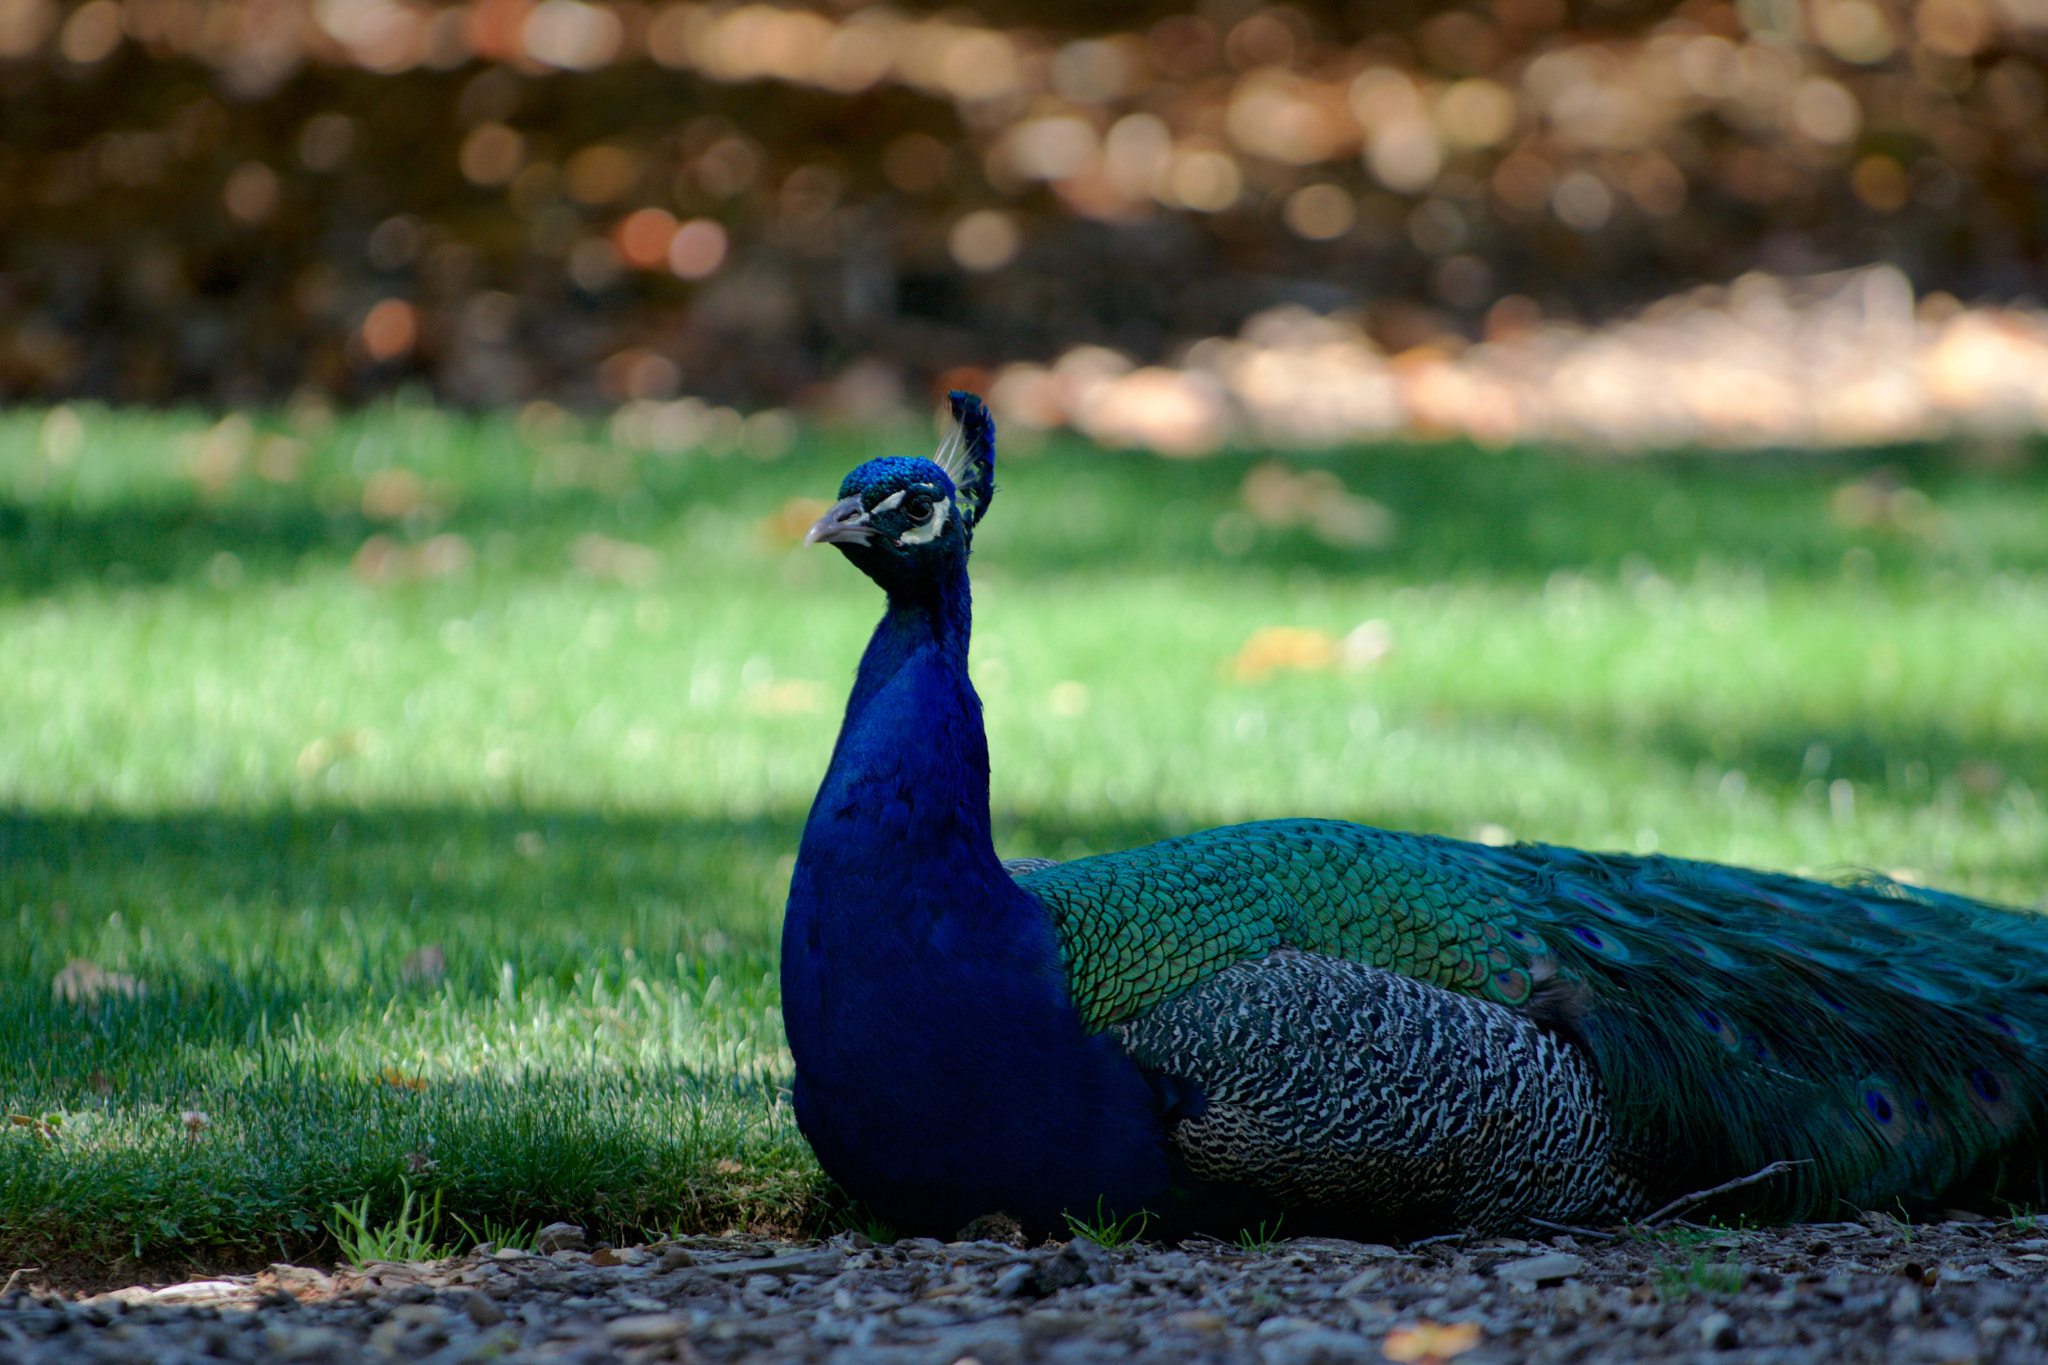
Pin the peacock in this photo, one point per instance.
(1344, 1030)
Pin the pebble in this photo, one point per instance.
(199, 1291)
(642, 1328)
(1717, 1329)
(1929, 1292)
(1554, 1268)
(482, 1310)
(560, 1237)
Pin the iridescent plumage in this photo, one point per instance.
(1365, 1032)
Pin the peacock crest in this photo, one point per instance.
(967, 453)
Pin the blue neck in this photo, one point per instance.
(897, 862)
(942, 1070)
(911, 764)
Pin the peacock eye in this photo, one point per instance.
(918, 506)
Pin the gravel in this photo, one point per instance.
(1967, 1290)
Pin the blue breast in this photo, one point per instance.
(942, 1072)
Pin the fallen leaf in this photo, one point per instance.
(602, 557)
(214, 458)
(1278, 497)
(1271, 493)
(280, 459)
(80, 982)
(381, 561)
(788, 523)
(1368, 643)
(1276, 647)
(1430, 1342)
(425, 967)
(392, 493)
(1881, 503)
(322, 752)
(392, 1076)
(1981, 777)
(35, 1125)
(786, 697)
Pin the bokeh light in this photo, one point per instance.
(984, 240)
(491, 154)
(250, 194)
(697, 249)
(389, 331)
(1320, 212)
(92, 33)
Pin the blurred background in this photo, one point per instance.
(1624, 222)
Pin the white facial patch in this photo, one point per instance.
(886, 503)
(933, 525)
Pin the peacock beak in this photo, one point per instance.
(845, 524)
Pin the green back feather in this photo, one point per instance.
(1890, 1038)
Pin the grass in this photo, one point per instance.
(1106, 1229)
(1260, 1242)
(457, 871)
(407, 1237)
(1700, 1275)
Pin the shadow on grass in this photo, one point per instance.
(1785, 756)
(1511, 517)
(1519, 516)
(247, 904)
(242, 928)
(627, 961)
(546, 891)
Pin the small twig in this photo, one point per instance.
(15, 1278)
(1576, 1232)
(1688, 1200)
(1442, 1237)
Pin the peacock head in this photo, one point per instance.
(900, 519)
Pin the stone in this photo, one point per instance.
(1050, 1274)
(1100, 1261)
(1010, 1283)
(202, 1291)
(482, 1309)
(306, 1345)
(1311, 1344)
(303, 1280)
(559, 1237)
(643, 1329)
(823, 1262)
(1535, 1271)
(993, 1227)
(1717, 1329)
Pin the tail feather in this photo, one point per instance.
(1888, 1039)
(1884, 1037)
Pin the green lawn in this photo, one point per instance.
(287, 704)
